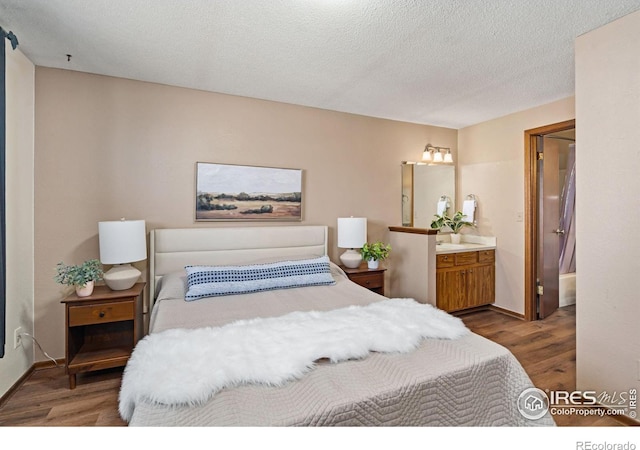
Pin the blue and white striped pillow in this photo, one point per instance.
(212, 281)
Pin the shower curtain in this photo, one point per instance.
(567, 216)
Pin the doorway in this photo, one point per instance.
(542, 242)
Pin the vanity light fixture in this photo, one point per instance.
(434, 154)
(426, 154)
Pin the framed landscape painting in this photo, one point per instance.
(233, 192)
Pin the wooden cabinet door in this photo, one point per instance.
(451, 290)
(481, 285)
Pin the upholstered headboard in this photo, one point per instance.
(173, 248)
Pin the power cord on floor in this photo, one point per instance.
(38, 344)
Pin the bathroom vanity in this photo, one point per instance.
(453, 277)
(424, 264)
(465, 277)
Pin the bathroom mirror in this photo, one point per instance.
(422, 187)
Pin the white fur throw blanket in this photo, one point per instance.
(188, 366)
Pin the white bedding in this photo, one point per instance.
(273, 351)
(467, 381)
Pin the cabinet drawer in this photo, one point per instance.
(462, 259)
(372, 281)
(101, 313)
(486, 256)
(446, 260)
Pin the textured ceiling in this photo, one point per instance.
(450, 63)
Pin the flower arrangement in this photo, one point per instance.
(378, 251)
(79, 276)
(455, 223)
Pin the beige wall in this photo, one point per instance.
(607, 117)
(108, 148)
(19, 209)
(491, 166)
(412, 267)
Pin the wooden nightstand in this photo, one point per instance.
(372, 279)
(102, 329)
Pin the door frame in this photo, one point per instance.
(531, 212)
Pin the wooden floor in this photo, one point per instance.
(545, 348)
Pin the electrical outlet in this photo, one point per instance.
(17, 338)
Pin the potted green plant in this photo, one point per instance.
(455, 224)
(82, 277)
(374, 253)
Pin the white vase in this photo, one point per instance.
(373, 263)
(455, 238)
(86, 290)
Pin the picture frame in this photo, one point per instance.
(229, 192)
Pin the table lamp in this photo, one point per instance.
(352, 235)
(121, 243)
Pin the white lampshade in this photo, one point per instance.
(448, 158)
(352, 234)
(122, 242)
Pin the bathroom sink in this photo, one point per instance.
(449, 246)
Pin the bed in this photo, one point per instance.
(466, 380)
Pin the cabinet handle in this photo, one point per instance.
(367, 282)
(471, 271)
(446, 258)
(101, 315)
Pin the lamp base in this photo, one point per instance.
(351, 258)
(121, 277)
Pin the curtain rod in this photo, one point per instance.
(561, 137)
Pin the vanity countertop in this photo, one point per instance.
(470, 243)
(447, 247)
